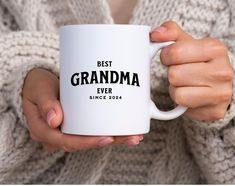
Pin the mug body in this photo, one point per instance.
(105, 79)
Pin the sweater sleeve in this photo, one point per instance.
(20, 52)
(213, 143)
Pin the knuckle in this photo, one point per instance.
(178, 96)
(67, 146)
(224, 74)
(173, 26)
(174, 53)
(173, 75)
(222, 49)
(47, 105)
(217, 114)
(211, 42)
(171, 23)
(229, 74)
(225, 95)
(217, 46)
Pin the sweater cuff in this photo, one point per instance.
(230, 114)
(20, 52)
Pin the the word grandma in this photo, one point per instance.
(107, 77)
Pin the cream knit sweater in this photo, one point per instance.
(178, 151)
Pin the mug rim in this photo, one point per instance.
(102, 25)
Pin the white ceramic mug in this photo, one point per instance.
(105, 80)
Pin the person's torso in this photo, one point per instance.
(163, 156)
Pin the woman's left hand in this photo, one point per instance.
(199, 73)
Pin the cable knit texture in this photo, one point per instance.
(178, 151)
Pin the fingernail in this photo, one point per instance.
(50, 115)
(131, 142)
(160, 29)
(105, 142)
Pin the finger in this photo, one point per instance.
(193, 51)
(192, 74)
(39, 129)
(51, 110)
(73, 143)
(169, 31)
(208, 113)
(129, 140)
(45, 98)
(194, 97)
(41, 132)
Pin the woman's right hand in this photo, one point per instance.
(44, 115)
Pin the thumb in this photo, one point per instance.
(48, 103)
(169, 31)
(51, 110)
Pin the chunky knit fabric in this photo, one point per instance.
(178, 151)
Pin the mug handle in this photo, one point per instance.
(155, 113)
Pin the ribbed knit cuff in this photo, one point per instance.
(230, 114)
(20, 52)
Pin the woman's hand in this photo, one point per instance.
(44, 115)
(199, 73)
